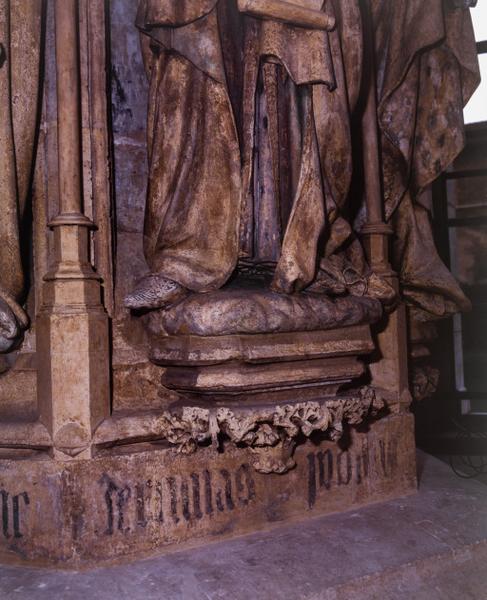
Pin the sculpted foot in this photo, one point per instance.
(155, 291)
(9, 327)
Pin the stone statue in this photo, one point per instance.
(20, 34)
(250, 147)
(427, 69)
(250, 143)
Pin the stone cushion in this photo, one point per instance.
(236, 311)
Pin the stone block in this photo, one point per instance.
(144, 499)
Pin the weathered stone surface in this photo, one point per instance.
(129, 112)
(271, 429)
(252, 379)
(233, 311)
(20, 93)
(217, 208)
(134, 502)
(194, 350)
(18, 389)
(429, 546)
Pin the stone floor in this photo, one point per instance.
(430, 546)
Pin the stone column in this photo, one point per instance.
(390, 371)
(72, 326)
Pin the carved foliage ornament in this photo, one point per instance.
(270, 431)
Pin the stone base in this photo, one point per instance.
(428, 546)
(147, 498)
(254, 366)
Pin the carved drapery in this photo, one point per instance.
(205, 58)
(288, 91)
(427, 69)
(20, 76)
(252, 128)
(348, 29)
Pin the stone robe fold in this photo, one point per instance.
(20, 47)
(249, 141)
(427, 69)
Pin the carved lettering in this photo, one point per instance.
(140, 494)
(208, 493)
(344, 468)
(245, 485)
(174, 498)
(185, 500)
(116, 499)
(11, 507)
(190, 498)
(330, 467)
(362, 464)
(228, 489)
(5, 513)
(388, 456)
(196, 496)
(325, 468)
(311, 480)
(160, 512)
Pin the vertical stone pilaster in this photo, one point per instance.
(390, 372)
(72, 326)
